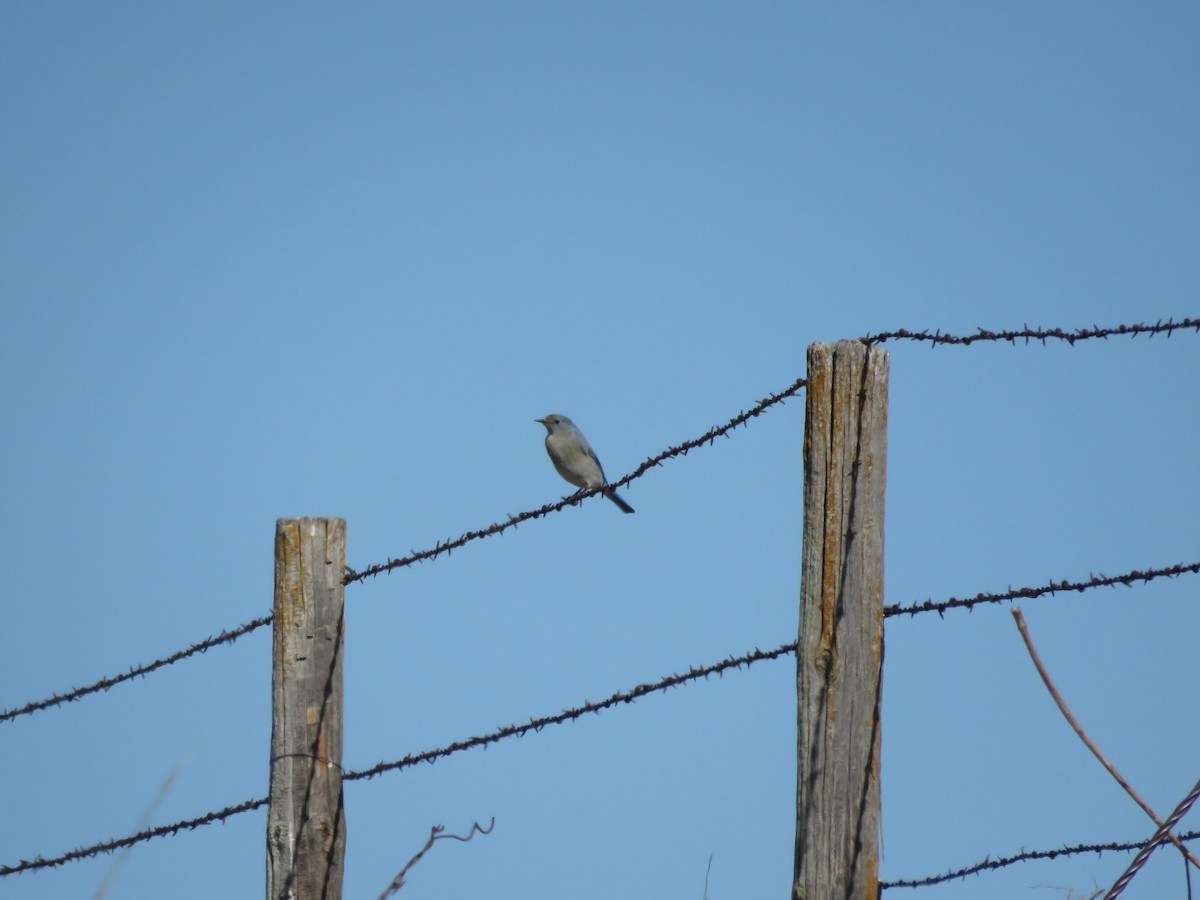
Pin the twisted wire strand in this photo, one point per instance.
(1151, 845)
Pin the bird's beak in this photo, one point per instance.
(540, 421)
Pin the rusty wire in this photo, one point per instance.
(1054, 587)
(537, 724)
(225, 637)
(1024, 856)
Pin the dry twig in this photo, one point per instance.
(435, 834)
(1088, 742)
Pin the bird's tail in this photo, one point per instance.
(612, 495)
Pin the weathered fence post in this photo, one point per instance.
(306, 822)
(840, 655)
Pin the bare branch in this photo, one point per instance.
(1088, 742)
(435, 834)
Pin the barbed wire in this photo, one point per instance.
(682, 449)
(1024, 856)
(1054, 587)
(411, 760)
(569, 715)
(1034, 334)
(225, 637)
(228, 637)
(537, 724)
(752, 657)
(417, 556)
(39, 862)
(936, 337)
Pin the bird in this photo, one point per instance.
(574, 457)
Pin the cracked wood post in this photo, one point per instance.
(306, 821)
(840, 655)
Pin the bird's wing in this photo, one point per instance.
(583, 442)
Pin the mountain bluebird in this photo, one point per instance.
(574, 457)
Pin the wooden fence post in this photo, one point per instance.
(306, 822)
(840, 655)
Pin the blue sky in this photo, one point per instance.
(264, 261)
